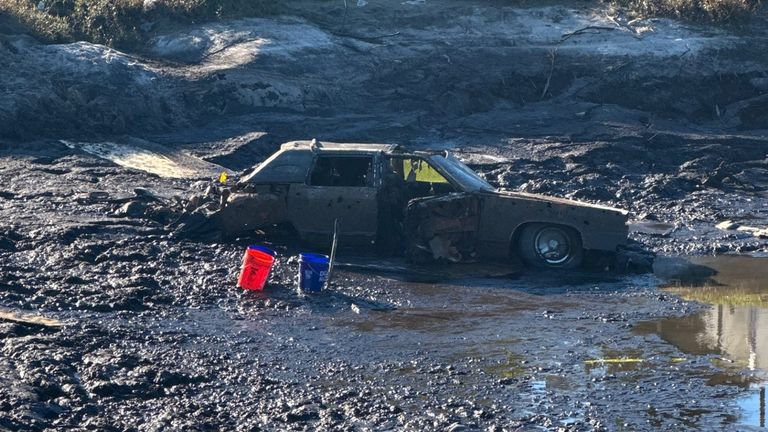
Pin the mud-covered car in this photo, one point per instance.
(427, 205)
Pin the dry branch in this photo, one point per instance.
(552, 54)
(565, 36)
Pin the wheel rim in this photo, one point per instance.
(552, 245)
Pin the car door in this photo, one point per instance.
(339, 186)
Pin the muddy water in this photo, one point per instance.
(734, 327)
(535, 330)
(484, 317)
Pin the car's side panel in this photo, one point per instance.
(249, 211)
(313, 209)
(600, 229)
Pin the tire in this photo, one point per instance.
(536, 241)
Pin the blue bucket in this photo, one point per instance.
(313, 269)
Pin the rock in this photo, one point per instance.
(759, 83)
(145, 193)
(651, 227)
(635, 262)
(195, 201)
(727, 225)
(192, 223)
(167, 379)
(301, 414)
(92, 197)
(131, 209)
(109, 389)
(681, 269)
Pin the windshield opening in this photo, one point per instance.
(461, 174)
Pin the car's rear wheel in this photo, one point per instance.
(550, 245)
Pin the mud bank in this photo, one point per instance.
(417, 67)
(663, 118)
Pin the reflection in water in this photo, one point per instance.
(754, 416)
(736, 326)
(738, 332)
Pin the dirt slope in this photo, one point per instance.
(555, 70)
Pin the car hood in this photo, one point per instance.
(553, 200)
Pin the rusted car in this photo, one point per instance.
(426, 205)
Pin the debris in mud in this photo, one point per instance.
(727, 225)
(620, 360)
(632, 258)
(652, 227)
(755, 231)
(151, 157)
(31, 320)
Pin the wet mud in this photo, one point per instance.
(156, 336)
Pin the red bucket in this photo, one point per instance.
(257, 262)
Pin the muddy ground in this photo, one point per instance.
(667, 123)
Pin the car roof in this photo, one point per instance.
(325, 146)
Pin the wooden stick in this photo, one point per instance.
(333, 253)
(564, 37)
(552, 54)
(344, 19)
(34, 320)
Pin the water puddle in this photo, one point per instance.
(735, 327)
(752, 416)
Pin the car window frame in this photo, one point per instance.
(451, 181)
(374, 161)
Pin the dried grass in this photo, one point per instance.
(118, 23)
(715, 11)
(46, 27)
